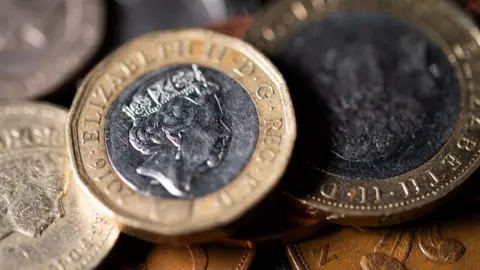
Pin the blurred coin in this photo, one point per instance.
(43, 43)
(236, 26)
(449, 241)
(206, 257)
(136, 17)
(178, 134)
(44, 222)
(386, 97)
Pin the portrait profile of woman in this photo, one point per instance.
(179, 124)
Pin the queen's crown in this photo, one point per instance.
(182, 83)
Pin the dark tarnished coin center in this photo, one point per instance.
(181, 131)
(374, 97)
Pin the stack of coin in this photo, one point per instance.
(313, 134)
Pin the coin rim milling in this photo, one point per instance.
(107, 231)
(70, 59)
(158, 219)
(411, 194)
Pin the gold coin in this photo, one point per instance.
(448, 241)
(178, 134)
(44, 222)
(387, 94)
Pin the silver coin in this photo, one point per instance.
(181, 132)
(43, 43)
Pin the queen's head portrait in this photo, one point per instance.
(31, 189)
(179, 124)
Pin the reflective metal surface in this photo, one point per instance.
(181, 131)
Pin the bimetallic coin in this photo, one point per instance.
(448, 241)
(180, 133)
(44, 222)
(43, 43)
(207, 257)
(386, 93)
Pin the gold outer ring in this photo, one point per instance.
(158, 219)
(409, 195)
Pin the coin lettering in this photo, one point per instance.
(216, 52)
(273, 132)
(174, 49)
(225, 199)
(265, 91)
(452, 160)
(329, 190)
(246, 67)
(29, 137)
(407, 187)
(182, 133)
(467, 143)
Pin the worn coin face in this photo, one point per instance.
(450, 241)
(42, 43)
(181, 132)
(44, 222)
(206, 257)
(386, 97)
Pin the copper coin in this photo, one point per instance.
(209, 257)
(43, 43)
(450, 241)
